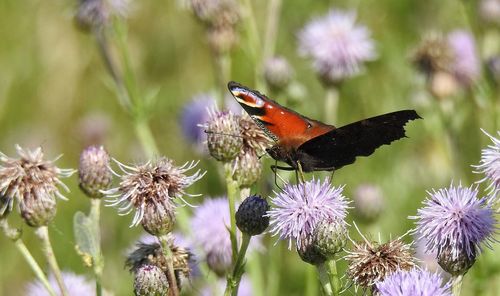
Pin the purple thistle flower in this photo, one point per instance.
(298, 208)
(337, 45)
(416, 282)
(454, 218)
(490, 164)
(466, 65)
(195, 113)
(77, 286)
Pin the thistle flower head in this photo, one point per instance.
(371, 262)
(466, 65)
(247, 168)
(330, 237)
(223, 135)
(153, 184)
(193, 114)
(30, 180)
(150, 280)
(251, 215)
(94, 174)
(77, 285)
(216, 12)
(433, 55)
(298, 209)
(337, 45)
(489, 165)
(253, 136)
(454, 219)
(91, 14)
(415, 282)
(277, 72)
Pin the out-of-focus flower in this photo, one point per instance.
(337, 45)
(494, 68)
(466, 65)
(489, 10)
(371, 262)
(150, 189)
(193, 114)
(95, 14)
(218, 287)
(277, 72)
(490, 164)
(223, 135)
(298, 208)
(94, 173)
(77, 285)
(251, 215)
(368, 202)
(33, 182)
(433, 55)
(455, 223)
(210, 224)
(150, 280)
(93, 128)
(416, 282)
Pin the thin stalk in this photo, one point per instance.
(98, 260)
(273, 18)
(15, 236)
(233, 281)
(165, 246)
(254, 44)
(43, 233)
(146, 137)
(232, 194)
(331, 104)
(333, 276)
(457, 285)
(223, 64)
(324, 278)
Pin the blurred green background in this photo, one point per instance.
(55, 92)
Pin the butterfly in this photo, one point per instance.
(310, 145)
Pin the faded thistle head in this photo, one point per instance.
(371, 262)
(489, 165)
(150, 190)
(455, 222)
(94, 174)
(33, 182)
(414, 282)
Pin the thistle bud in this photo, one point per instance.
(330, 237)
(94, 174)
(247, 168)
(309, 252)
(159, 218)
(223, 139)
(456, 264)
(37, 211)
(150, 280)
(277, 72)
(251, 215)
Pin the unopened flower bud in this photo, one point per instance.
(223, 135)
(309, 252)
(159, 218)
(247, 168)
(251, 215)
(38, 211)
(94, 174)
(277, 72)
(456, 264)
(330, 237)
(150, 280)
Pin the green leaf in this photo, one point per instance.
(85, 236)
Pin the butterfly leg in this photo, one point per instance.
(275, 169)
(300, 172)
(331, 176)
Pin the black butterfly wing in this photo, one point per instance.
(341, 146)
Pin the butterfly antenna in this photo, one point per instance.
(224, 134)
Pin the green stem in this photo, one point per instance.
(324, 278)
(146, 137)
(331, 104)
(172, 281)
(311, 280)
(254, 44)
(333, 276)
(233, 281)
(273, 17)
(15, 236)
(98, 260)
(223, 64)
(457, 285)
(43, 233)
(232, 194)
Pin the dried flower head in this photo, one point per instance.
(277, 72)
(298, 208)
(368, 202)
(32, 181)
(489, 165)
(253, 136)
(195, 113)
(152, 254)
(77, 285)
(94, 174)
(150, 280)
(247, 168)
(455, 218)
(151, 188)
(433, 54)
(223, 135)
(216, 12)
(337, 45)
(416, 282)
(371, 262)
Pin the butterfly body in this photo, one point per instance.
(314, 145)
